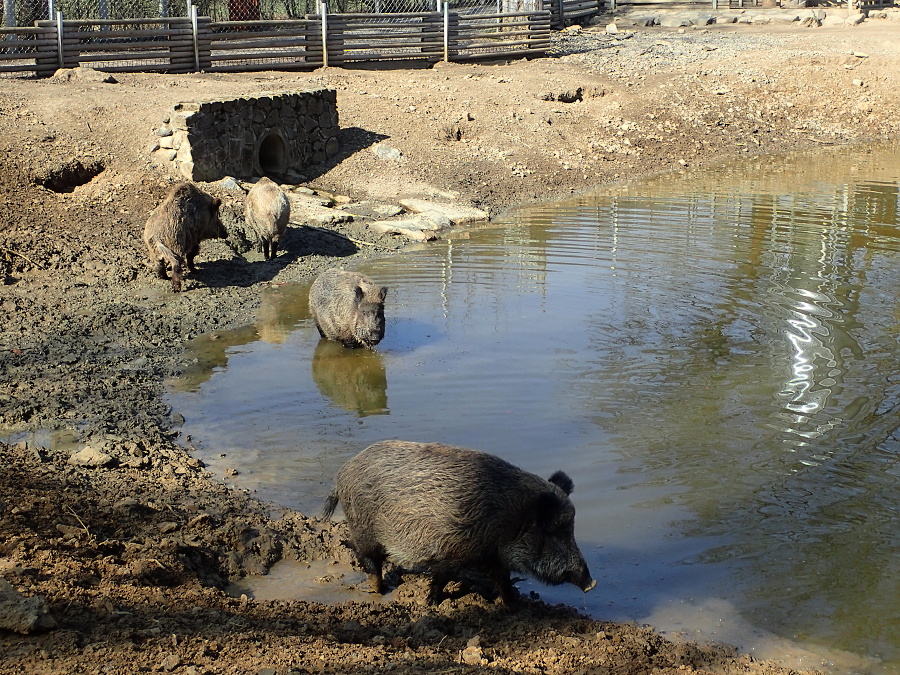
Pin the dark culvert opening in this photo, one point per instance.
(272, 154)
(66, 177)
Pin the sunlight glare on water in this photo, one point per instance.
(712, 356)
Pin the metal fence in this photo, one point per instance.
(26, 12)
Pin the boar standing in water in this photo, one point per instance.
(267, 212)
(348, 307)
(450, 509)
(174, 230)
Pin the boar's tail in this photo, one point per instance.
(170, 256)
(331, 503)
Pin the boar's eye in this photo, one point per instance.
(547, 508)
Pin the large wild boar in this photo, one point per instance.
(176, 227)
(348, 307)
(267, 212)
(451, 509)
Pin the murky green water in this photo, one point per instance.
(712, 356)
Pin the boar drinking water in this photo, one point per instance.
(451, 509)
(267, 212)
(348, 307)
(174, 230)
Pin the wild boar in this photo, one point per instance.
(348, 307)
(267, 212)
(451, 509)
(174, 230)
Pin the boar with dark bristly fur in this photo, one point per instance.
(451, 509)
(174, 230)
(267, 212)
(348, 307)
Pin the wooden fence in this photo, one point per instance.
(196, 43)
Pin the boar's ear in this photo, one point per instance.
(216, 203)
(546, 508)
(563, 482)
(360, 294)
(382, 293)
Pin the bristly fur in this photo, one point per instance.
(174, 230)
(267, 212)
(348, 307)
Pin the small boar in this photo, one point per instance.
(267, 212)
(176, 227)
(348, 307)
(447, 509)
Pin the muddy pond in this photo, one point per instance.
(713, 356)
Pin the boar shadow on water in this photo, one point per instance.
(454, 511)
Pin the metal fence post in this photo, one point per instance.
(323, 9)
(446, 9)
(193, 11)
(59, 39)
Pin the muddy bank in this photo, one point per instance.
(128, 539)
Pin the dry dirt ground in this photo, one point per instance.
(118, 555)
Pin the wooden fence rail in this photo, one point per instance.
(196, 43)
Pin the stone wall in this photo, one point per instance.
(267, 134)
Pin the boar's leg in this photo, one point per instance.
(177, 274)
(439, 578)
(190, 257)
(274, 247)
(161, 269)
(372, 560)
(373, 567)
(508, 592)
(265, 249)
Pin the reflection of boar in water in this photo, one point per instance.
(348, 307)
(451, 509)
(174, 230)
(267, 212)
(354, 381)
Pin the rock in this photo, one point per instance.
(674, 22)
(82, 74)
(810, 22)
(306, 199)
(473, 656)
(855, 19)
(308, 211)
(91, 457)
(23, 614)
(458, 215)
(170, 663)
(785, 17)
(230, 183)
(416, 228)
(384, 151)
(373, 210)
(612, 29)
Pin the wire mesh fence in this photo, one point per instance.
(26, 12)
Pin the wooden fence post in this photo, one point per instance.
(204, 43)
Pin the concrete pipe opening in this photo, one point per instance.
(272, 154)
